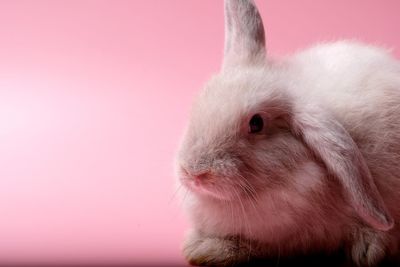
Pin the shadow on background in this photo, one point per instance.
(338, 259)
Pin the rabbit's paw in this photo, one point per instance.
(213, 251)
(369, 248)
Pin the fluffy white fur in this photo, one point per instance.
(323, 174)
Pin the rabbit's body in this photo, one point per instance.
(293, 156)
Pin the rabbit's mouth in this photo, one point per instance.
(209, 183)
(214, 187)
(206, 187)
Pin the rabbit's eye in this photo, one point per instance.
(256, 124)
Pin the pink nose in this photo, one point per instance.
(200, 176)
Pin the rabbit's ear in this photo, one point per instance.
(244, 33)
(330, 142)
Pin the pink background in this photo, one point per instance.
(93, 99)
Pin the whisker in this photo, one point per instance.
(180, 202)
(184, 196)
(239, 219)
(252, 197)
(174, 194)
(247, 227)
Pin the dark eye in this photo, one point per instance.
(256, 124)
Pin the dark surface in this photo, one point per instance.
(333, 260)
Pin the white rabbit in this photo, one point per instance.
(294, 156)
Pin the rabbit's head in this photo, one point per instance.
(249, 130)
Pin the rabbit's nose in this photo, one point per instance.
(196, 176)
(201, 176)
(199, 179)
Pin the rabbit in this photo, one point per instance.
(292, 156)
